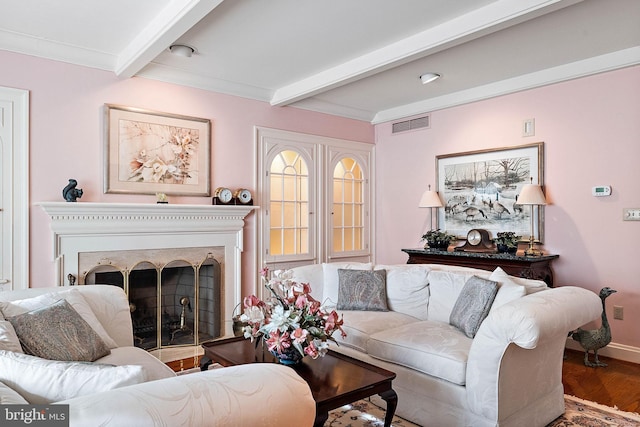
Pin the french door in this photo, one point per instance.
(315, 197)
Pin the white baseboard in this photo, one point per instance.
(613, 350)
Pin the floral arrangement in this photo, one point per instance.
(170, 161)
(290, 319)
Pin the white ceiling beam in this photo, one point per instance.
(169, 25)
(598, 64)
(491, 18)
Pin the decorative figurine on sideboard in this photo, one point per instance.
(70, 192)
(595, 339)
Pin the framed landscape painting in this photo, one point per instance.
(148, 152)
(479, 189)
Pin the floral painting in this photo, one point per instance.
(150, 152)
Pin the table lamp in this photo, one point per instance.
(532, 195)
(430, 199)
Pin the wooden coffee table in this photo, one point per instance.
(335, 379)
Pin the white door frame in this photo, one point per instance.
(15, 182)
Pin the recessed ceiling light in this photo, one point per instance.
(429, 77)
(182, 50)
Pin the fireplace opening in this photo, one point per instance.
(177, 304)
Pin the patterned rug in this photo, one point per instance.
(579, 412)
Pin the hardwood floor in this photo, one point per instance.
(616, 385)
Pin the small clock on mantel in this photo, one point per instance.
(222, 196)
(478, 240)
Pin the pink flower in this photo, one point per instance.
(264, 272)
(311, 350)
(332, 323)
(253, 301)
(278, 343)
(300, 335)
(301, 301)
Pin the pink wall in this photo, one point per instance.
(591, 131)
(66, 138)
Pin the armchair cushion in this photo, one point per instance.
(58, 332)
(8, 338)
(42, 381)
(72, 296)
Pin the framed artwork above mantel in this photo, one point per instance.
(149, 152)
(479, 189)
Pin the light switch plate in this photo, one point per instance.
(631, 214)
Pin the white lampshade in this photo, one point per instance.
(531, 194)
(430, 199)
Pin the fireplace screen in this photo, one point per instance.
(173, 305)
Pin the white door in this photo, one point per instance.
(14, 189)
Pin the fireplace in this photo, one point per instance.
(180, 265)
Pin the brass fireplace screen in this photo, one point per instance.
(174, 304)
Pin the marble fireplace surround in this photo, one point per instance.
(83, 227)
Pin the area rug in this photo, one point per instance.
(578, 412)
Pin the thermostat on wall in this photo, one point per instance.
(601, 190)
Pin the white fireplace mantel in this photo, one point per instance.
(101, 227)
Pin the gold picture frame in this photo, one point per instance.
(149, 152)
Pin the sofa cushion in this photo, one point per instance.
(473, 305)
(331, 279)
(363, 290)
(8, 338)
(58, 332)
(444, 289)
(154, 369)
(360, 325)
(42, 381)
(434, 348)
(407, 289)
(312, 275)
(508, 290)
(9, 396)
(73, 296)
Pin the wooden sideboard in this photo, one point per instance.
(528, 267)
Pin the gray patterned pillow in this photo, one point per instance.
(58, 332)
(473, 305)
(363, 290)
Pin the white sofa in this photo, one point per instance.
(140, 390)
(509, 374)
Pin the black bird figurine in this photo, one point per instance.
(70, 192)
(595, 339)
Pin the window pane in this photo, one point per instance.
(276, 215)
(338, 220)
(276, 242)
(289, 184)
(337, 240)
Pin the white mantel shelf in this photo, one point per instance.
(89, 217)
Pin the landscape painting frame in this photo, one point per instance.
(479, 190)
(150, 152)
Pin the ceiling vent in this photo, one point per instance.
(419, 123)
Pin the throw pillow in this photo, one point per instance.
(8, 339)
(362, 290)
(58, 332)
(73, 296)
(508, 290)
(473, 305)
(42, 381)
(331, 280)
